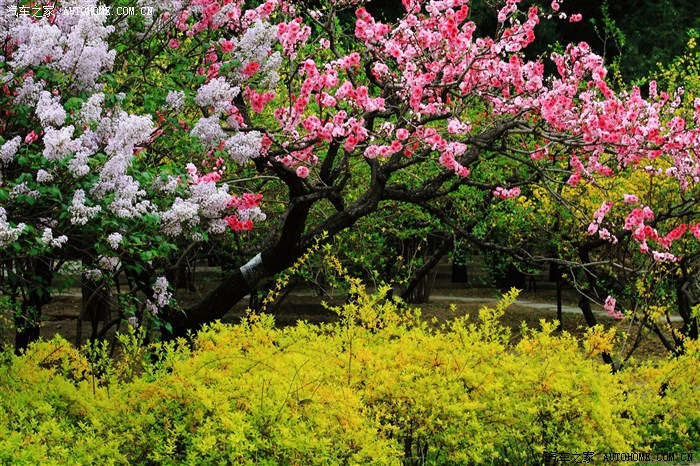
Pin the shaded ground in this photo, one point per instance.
(61, 315)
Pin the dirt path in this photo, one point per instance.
(539, 306)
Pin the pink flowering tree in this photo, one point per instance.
(128, 139)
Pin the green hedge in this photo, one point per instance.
(378, 388)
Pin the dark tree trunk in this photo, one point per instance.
(95, 305)
(28, 320)
(293, 237)
(214, 306)
(556, 275)
(181, 277)
(684, 303)
(236, 286)
(421, 284)
(584, 303)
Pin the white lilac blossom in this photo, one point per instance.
(22, 189)
(92, 274)
(47, 236)
(87, 53)
(269, 70)
(6, 19)
(127, 203)
(167, 185)
(91, 110)
(89, 143)
(48, 239)
(49, 110)
(9, 149)
(37, 40)
(161, 13)
(73, 44)
(114, 239)
(161, 295)
(133, 322)
(211, 199)
(78, 165)
(42, 176)
(6, 77)
(218, 93)
(175, 100)
(254, 214)
(8, 234)
(181, 212)
(256, 42)
(58, 143)
(80, 213)
(123, 132)
(209, 131)
(244, 146)
(108, 263)
(28, 93)
(255, 46)
(216, 226)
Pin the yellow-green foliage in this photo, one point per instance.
(380, 387)
(665, 396)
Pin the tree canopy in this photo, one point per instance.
(128, 141)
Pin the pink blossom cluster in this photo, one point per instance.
(248, 211)
(637, 217)
(372, 151)
(695, 230)
(258, 100)
(595, 226)
(664, 256)
(209, 204)
(596, 115)
(292, 35)
(631, 198)
(432, 62)
(609, 306)
(504, 193)
(642, 233)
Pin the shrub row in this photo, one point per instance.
(380, 387)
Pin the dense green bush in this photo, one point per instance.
(380, 387)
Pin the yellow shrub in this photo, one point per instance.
(380, 387)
